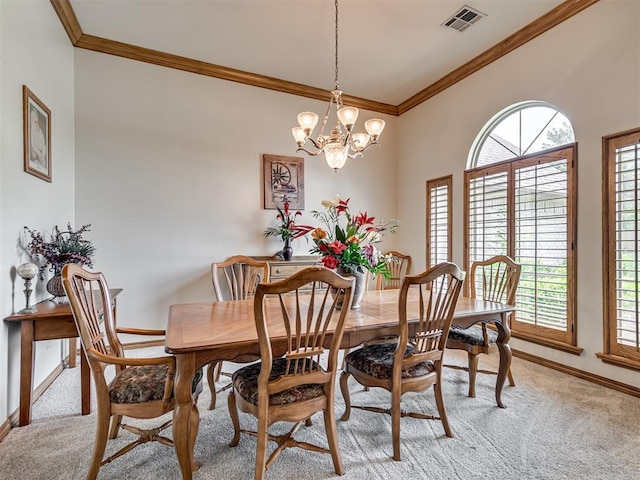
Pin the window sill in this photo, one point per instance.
(618, 361)
(545, 342)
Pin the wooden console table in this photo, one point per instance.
(51, 321)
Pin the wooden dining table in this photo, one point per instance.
(201, 333)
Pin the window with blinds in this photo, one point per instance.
(621, 208)
(525, 208)
(439, 220)
(487, 215)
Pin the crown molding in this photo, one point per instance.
(549, 20)
(546, 22)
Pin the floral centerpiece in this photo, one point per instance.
(287, 228)
(61, 247)
(347, 242)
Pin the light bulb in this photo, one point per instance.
(360, 140)
(348, 117)
(298, 135)
(336, 155)
(308, 121)
(374, 127)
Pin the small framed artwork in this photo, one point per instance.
(283, 181)
(37, 136)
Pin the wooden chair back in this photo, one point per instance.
(241, 276)
(308, 322)
(434, 295)
(399, 264)
(92, 308)
(495, 279)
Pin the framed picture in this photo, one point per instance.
(283, 181)
(37, 136)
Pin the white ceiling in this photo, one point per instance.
(389, 50)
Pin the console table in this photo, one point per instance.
(51, 321)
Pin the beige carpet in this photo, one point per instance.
(554, 427)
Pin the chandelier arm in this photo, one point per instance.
(354, 155)
(319, 143)
(308, 152)
(324, 121)
(367, 146)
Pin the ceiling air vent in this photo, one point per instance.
(463, 19)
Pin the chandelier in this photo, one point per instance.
(339, 144)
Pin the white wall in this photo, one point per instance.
(36, 52)
(589, 67)
(169, 174)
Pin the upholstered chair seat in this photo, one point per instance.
(473, 335)
(139, 384)
(245, 381)
(377, 361)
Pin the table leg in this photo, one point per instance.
(73, 347)
(185, 415)
(504, 334)
(26, 372)
(85, 383)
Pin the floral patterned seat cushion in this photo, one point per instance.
(245, 381)
(139, 384)
(472, 335)
(377, 361)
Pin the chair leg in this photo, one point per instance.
(344, 388)
(194, 425)
(233, 413)
(441, 410)
(261, 450)
(332, 438)
(218, 371)
(512, 382)
(212, 384)
(396, 399)
(102, 431)
(116, 421)
(473, 369)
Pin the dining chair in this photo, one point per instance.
(495, 280)
(142, 388)
(294, 386)
(233, 279)
(399, 265)
(412, 363)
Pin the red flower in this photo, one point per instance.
(329, 261)
(337, 247)
(342, 206)
(362, 219)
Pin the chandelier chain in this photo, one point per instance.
(337, 84)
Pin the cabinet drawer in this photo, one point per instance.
(284, 271)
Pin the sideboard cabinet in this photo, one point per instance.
(280, 269)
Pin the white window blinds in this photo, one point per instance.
(438, 220)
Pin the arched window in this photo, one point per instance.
(519, 130)
(520, 200)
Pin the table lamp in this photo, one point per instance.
(27, 271)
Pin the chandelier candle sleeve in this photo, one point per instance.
(339, 144)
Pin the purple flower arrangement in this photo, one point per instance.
(61, 247)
